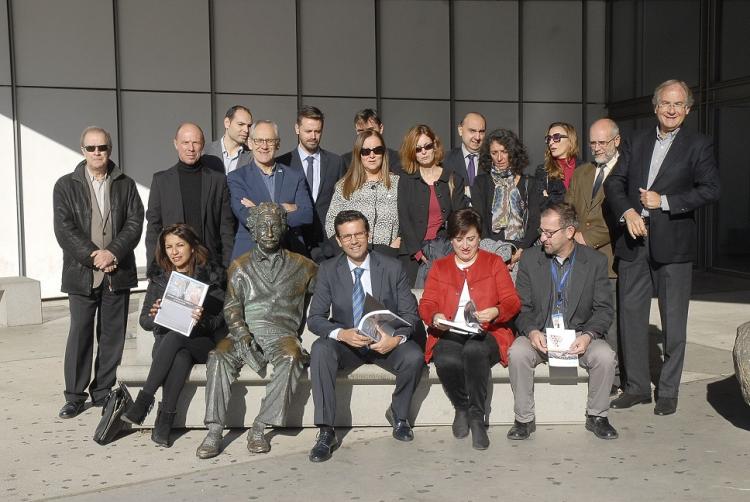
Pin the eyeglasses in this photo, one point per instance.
(352, 237)
(600, 144)
(378, 150)
(555, 138)
(265, 141)
(427, 147)
(96, 148)
(548, 233)
(666, 105)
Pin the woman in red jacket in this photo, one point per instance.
(462, 361)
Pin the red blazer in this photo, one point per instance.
(489, 284)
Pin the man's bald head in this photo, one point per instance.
(604, 139)
(189, 141)
(472, 129)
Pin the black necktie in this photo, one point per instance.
(598, 180)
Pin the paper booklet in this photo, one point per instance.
(183, 295)
(470, 326)
(377, 316)
(558, 342)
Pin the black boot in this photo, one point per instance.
(136, 413)
(163, 426)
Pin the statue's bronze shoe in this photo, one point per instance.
(257, 442)
(210, 447)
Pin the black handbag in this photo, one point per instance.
(110, 425)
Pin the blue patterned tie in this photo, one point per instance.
(358, 296)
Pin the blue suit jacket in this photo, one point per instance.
(289, 187)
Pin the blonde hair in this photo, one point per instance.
(551, 166)
(356, 175)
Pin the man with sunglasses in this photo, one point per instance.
(98, 221)
(190, 192)
(336, 308)
(320, 168)
(586, 195)
(562, 284)
(265, 179)
(667, 173)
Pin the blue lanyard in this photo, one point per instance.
(560, 283)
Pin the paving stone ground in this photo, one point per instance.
(702, 453)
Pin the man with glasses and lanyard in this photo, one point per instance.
(562, 284)
(266, 180)
(336, 308)
(586, 195)
(665, 175)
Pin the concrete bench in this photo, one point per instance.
(20, 301)
(362, 395)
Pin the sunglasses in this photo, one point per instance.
(554, 138)
(426, 148)
(378, 150)
(96, 148)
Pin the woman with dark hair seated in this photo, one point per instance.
(174, 354)
(463, 361)
(508, 200)
(370, 188)
(427, 195)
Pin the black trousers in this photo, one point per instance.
(102, 314)
(328, 356)
(636, 282)
(463, 366)
(173, 357)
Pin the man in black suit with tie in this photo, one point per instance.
(464, 160)
(663, 177)
(190, 192)
(367, 120)
(336, 308)
(321, 168)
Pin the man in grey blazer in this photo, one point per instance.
(232, 148)
(337, 306)
(189, 192)
(321, 168)
(464, 160)
(562, 284)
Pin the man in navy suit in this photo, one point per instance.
(335, 309)
(266, 180)
(665, 175)
(321, 168)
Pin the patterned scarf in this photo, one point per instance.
(508, 207)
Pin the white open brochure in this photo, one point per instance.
(183, 295)
(460, 327)
(378, 318)
(558, 342)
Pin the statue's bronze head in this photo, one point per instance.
(267, 225)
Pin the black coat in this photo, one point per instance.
(482, 194)
(414, 204)
(688, 177)
(165, 207)
(72, 223)
(212, 323)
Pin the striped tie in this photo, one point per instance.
(358, 296)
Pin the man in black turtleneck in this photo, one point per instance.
(191, 193)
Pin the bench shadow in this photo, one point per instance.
(725, 396)
(655, 353)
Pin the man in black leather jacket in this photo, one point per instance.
(98, 219)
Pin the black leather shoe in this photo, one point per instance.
(71, 409)
(629, 400)
(401, 428)
(665, 406)
(461, 424)
(601, 427)
(325, 444)
(521, 430)
(479, 439)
